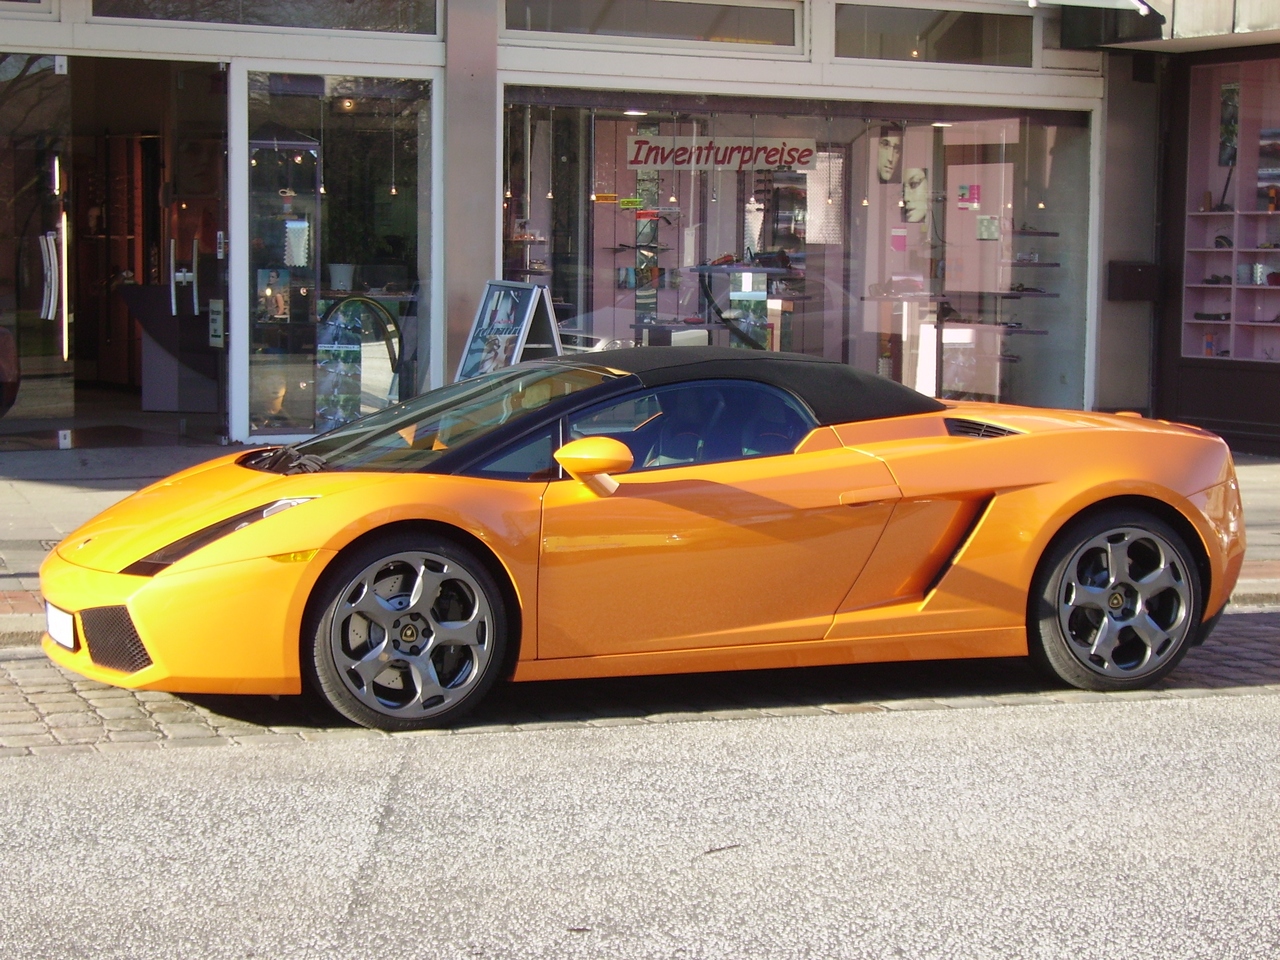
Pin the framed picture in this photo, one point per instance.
(515, 322)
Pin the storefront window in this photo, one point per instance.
(390, 16)
(948, 253)
(932, 36)
(338, 214)
(1231, 274)
(658, 20)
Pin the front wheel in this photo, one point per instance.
(411, 633)
(1115, 603)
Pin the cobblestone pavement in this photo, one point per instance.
(46, 709)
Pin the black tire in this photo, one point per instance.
(373, 649)
(1115, 603)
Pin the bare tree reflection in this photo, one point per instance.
(393, 16)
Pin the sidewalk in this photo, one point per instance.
(46, 494)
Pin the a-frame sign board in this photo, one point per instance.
(515, 322)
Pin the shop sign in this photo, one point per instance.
(646, 214)
(723, 153)
(630, 203)
(606, 198)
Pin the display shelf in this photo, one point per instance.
(1250, 330)
(1030, 263)
(1036, 233)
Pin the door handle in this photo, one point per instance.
(49, 257)
(195, 275)
(177, 276)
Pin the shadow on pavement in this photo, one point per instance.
(1244, 651)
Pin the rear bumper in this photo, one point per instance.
(233, 628)
(1221, 508)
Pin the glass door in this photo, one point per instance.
(36, 372)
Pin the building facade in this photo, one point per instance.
(281, 215)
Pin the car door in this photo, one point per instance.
(738, 523)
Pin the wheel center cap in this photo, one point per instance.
(409, 633)
(1116, 601)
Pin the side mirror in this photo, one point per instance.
(592, 459)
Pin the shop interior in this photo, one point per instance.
(339, 215)
(944, 248)
(116, 251)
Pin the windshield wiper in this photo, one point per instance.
(289, 459)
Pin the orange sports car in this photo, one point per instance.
(655, 510)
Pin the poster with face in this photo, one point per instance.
(273, 294)
(915, 195)
(495, 335)
(889, 154)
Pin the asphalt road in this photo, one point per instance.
(1108, 829)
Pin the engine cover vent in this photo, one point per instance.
(974, 428)
(112, 640)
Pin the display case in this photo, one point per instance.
(1231, 266)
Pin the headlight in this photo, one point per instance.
(149, 566)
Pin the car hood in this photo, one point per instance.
(180, 505)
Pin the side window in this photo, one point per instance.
(704, 422)
(529, 459)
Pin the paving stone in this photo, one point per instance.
(78, 735)
(678, 716)
(128, 723)
(20, 729)
(913, 704)
(796, 711)
(486, 728)
(854, 707)
(238, 732)
(72, 720)
(118, 747)
(14, 752)
(62, 748)
(429, 732)
(132, 736)
(153, 696)
(609, 722)
(270, 740)
(185, 731)
(196, 742)
(744, 713)
(121, 713)
(34, 740)
(349, 733)
(8, 719)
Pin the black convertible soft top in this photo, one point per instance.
(835, 392)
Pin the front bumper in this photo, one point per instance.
(232, 628)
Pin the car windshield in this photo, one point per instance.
(409, 436)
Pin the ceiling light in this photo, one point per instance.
(635, 113)
(941, 124)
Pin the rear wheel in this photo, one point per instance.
(1115, 603)
(411, 633)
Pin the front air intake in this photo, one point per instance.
(112, 640)
(974, 428)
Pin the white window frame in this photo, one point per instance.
(799, 50)
(41, 10)
(259, 28)
(238, 386)
(1036, 14)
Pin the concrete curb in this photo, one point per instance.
(21, 629)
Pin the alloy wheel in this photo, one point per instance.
(411, 634)
(1124, 603)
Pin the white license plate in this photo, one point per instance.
(61, 626)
